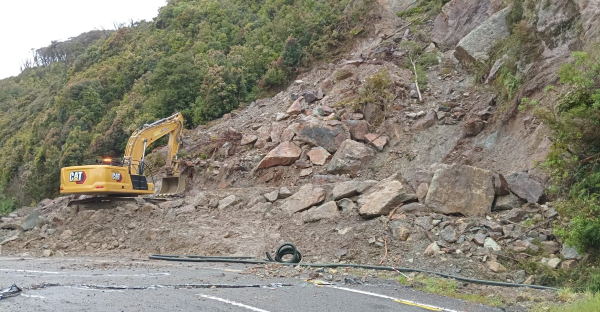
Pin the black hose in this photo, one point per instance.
(290, 249)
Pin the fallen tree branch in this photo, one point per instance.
(416, 77)
(385, 239)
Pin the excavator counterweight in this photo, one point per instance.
(127, 178)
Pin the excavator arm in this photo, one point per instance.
(148, 134)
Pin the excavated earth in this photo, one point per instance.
(446, 184)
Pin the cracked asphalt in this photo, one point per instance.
(126, 284)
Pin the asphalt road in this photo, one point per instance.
(92, 284)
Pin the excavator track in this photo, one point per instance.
(110, 202)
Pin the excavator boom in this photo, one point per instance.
(129, 179)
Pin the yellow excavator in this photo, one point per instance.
(127, 178)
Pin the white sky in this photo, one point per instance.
(26, 24)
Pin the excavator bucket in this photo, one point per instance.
(172, 185)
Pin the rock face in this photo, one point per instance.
(284, 154)
(459, 17)
(382, 197)
(328, 210)
(477, 44)
(461, 189)
(525, 187)
(349, 158)
(329, 135)
(306, 197)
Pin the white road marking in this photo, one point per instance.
(408, 302)
(87, 275)
(33, 296)
(232, 303)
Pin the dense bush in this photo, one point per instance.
(82, 98)
(574, 156)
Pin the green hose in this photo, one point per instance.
(289, 248)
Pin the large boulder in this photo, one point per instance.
(461, 189)
(306, 197)
(349, 158)
(522, 185)
(459, 17)
(327, 134)
(383, 197)
(318, 155)
(286, 153)
(476, 46)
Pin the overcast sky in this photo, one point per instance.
(26, 24)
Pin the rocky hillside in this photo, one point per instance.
(415, 144)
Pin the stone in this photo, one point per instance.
(550, 246)
(459, 17)
(507, 202)
(185, 209)
(310, 96)
(327, 134)
(432, 249)
(318, 155)
(568, 264)
(382, 197)
(461, 189)
(414, 94)
(248, 139)
(281, 116)
(358, 129)
(473, 126)
(496, 68)
(349, 158)
(493, 226)
(306, 172)
(422, 190)
(424, 222)
(476, 46)
(345, 189)
(479, 239)
(213, 203)
(400, 230)
(495, 267)
(414, 208)
(522, 185)
(306, 197)
(170, 204)
(276, 131)
(284, 192)
(272, 196)
(228, 201)
(516, 215)
(328, 210)
(31, 221)
(376, 141)
(491, 244)
(523, 246)
(286, 153)
(364, 186)
(296, 107)
(347, 205)
(425, 122)
(570, 253)
(552, 263)
(449, 234)
(289, 133)
(47, 253)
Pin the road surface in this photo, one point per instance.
(99, 284)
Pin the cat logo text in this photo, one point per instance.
(77, 176)
(117, 177)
